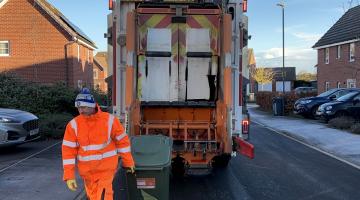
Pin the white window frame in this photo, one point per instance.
(327, 85)
(352, 52)
(327, 55)
(338, 85)
(8, 49)
(3, 3)
(338, 52)
(78, 53)
(351, 83)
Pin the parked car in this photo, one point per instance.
(304, 90)
(308, 106)
(347, 105)
(17, 127)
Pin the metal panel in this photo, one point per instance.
(159, 39)
(197, 40)
(155, 79)
(198, 84)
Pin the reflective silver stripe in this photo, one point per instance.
(98, 156)
(118, 138)
(110, 123)
(95, 146)
(70, 144)
(74, 125)
(124, 150)
(69, 161)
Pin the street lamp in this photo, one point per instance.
(282, 5)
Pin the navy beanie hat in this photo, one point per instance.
(85, 98)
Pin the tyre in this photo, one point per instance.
(221, 161)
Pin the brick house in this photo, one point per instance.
(339, 53)
(38, 43)
(100, 71)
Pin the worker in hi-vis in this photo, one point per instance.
(94, 140)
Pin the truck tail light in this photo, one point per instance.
(111, 4)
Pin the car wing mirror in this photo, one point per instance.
(332, 97)
(356, 101)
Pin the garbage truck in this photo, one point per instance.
(175, 69)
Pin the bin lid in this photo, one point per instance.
(151, 151)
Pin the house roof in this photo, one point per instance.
(65, 23)
(347, 28)
(100, 60)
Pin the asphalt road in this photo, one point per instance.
(33, 171)
(282, 169)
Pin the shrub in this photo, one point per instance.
(341, 122)
(355, 128)
(53, 125)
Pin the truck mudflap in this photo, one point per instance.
(243, 147)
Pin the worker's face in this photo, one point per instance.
(87, 111)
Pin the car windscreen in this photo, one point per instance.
(327, 93)
(348, 96)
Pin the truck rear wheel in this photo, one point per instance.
(221, 161)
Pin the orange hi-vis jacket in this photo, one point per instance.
(94, 143)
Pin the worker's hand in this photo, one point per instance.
(131, 170)
(71, 184)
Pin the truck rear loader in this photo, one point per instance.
(176, 69)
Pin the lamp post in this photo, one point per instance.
(282, 5)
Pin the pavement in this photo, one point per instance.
(339, 144)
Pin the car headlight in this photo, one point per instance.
(7, 120)
(305, 101)
(328, 108)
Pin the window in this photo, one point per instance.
(4, 48)
(80, 84)
(327, 56)
(351, 83)
(95, 74)
(327, 85)
(352, 52)
(338, 52)
(338, 84)
(78, 53)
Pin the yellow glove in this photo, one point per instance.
(131, 170)
(71, 184)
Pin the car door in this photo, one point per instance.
(354, 107)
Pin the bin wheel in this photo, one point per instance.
(178, 167)
(221, 161)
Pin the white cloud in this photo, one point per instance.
(308, 37)
(301, 58)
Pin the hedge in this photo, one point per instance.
(53, 104)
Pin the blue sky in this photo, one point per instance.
(305, 22)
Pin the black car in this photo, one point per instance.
(347, 105)
(308, 106)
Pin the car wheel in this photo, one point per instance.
(313, 112)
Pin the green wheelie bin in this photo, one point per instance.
(152, 156)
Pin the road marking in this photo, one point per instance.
(308, 145)
(18, 162)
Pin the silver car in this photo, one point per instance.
(17, 127)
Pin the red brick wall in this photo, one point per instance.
(37, 44)
(338, 70)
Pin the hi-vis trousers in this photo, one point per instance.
(100, 189)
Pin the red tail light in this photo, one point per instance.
(245, 126)
(111, 4)
(244, 6)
